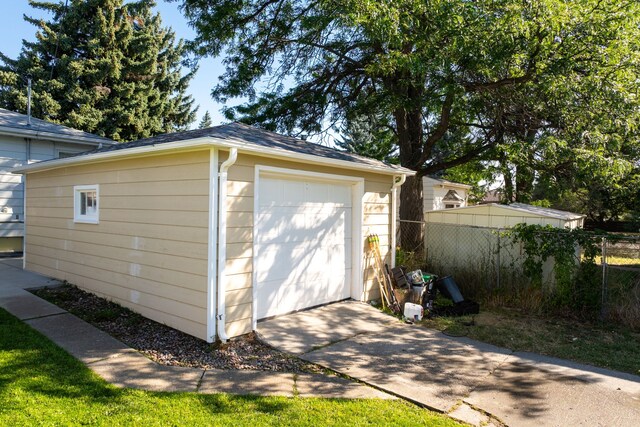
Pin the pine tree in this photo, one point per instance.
(103, 67)
(206, 121)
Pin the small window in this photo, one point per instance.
(450, 206)
(85, 203)
(65, 154)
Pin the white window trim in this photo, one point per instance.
(87, 219)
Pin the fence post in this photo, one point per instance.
(603, 307)
(498, 262)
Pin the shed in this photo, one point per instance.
(25, 140)
(211, 230)
(495, 215)
(465, 242)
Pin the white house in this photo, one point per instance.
(442, 194)
(24, 141)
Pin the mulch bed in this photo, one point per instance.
(168, 346)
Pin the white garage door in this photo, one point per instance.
(303, 244)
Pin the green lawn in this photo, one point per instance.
(40, 384)
(605, 345)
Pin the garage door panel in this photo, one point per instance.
(303, 245)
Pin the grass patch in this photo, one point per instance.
(41, 384)
(605, 345)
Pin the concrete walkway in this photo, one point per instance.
(471, 381)
(125, 367)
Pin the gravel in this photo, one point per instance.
(169, 346)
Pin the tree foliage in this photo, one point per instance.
(103, 67)
(528, 84)
(205, 122)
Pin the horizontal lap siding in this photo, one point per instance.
(240, 205)
(377, 216)
(149, 251)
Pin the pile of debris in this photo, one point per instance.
(413, 294)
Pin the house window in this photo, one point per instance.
(85, 203)
(450, 206)
(65, 154)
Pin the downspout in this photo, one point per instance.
(212, 256)
(397, 183)
(222, 242)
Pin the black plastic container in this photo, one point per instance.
(450, 289)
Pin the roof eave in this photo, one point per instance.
(208, 142)
(50, 136)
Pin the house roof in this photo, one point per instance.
(452, 196)
(16, 124)
(245, 138)
(444, 182)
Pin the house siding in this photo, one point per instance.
(149, 250)
(240, 206)
(15, 152)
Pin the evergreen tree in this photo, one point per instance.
(206, 121)
(370, 137)
(103, 67)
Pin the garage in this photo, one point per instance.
(303, 243)
(210, 230)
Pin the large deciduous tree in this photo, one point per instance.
(101, 66)
(456, 79)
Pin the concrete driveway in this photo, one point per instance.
(475, 382)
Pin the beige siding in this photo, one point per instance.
(149, 251)
(240, 205)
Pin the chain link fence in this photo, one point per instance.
(620, 266)
(489, 266)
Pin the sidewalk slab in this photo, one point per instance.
(25, 305)
(247, 382)
(420, 365)
(524, 393)
(322, 326)
(133, 370)
(25, 279)
(310, 385)
(11, 262)
(82, 340)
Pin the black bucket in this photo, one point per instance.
(449, 289)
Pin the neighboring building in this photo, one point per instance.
(466, 242)
(210, 230)
(22, 143)
(442, 194)
(499, 216)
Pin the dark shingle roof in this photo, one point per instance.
(245, 134)
(12, 120)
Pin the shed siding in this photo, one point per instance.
(149, 251)
(240, 205)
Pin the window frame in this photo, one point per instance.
(92, 218)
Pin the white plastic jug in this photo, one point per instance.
(413, 311)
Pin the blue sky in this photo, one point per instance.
(13, 29)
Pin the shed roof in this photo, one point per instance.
(16, 124)
(523, 208)
(245, 138)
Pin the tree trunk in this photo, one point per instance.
(409, 128)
